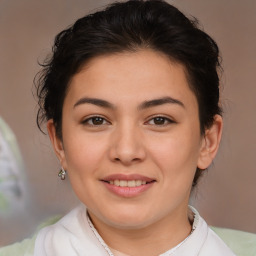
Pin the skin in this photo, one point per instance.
(128, 139)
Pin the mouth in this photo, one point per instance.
(128, 183)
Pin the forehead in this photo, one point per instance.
(142, 74)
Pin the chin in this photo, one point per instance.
(127, 219)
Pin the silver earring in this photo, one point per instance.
(62, 174)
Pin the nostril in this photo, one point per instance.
(127, 160)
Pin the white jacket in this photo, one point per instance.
(74, 235)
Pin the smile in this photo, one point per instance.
(127, 183)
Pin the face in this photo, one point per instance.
(131, 138)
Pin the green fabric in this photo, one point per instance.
(26, 247)
(241, 243)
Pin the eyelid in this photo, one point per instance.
(169, 119)
(87, 118)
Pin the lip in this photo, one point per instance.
(127, 192)
(127, 177)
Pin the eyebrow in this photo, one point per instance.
(160, 101)
(143, 105)
(94, 101)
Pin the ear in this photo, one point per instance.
(56, 143)
(210, 143)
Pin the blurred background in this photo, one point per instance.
(226, 196)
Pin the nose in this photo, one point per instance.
(127, 145)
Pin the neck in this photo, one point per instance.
(151, 240)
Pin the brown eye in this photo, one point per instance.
(96, 120)
(160, 120)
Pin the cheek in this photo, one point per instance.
(84, 153)
(177, 154)
(83, 157)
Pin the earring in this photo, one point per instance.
(62, 174)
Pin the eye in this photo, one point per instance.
(160, 121)
(95, 121)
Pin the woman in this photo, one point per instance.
(131, 99)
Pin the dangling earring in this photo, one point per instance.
(62, 174)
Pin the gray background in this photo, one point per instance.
(226, 196)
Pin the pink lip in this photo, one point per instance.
(127, 177)
(127, 192)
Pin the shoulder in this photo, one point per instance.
(214, 245)
(23, 248)
(26, 247)
(204, 241)
(242, 243)
(62, 232)
(71, 235)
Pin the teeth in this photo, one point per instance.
(116, 182)
(138, 182)
(125, 183)
(131, 183)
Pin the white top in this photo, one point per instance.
(74, 235)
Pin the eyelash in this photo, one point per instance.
(89, 121)
(162, 118)
(94, 118)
